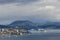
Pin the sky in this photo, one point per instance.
(34, 10)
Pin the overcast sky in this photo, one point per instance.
(34, 10)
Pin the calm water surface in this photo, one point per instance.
(36, 36)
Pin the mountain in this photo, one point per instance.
(4, 26)
(23, 24)
(30, 25)
(51, 25)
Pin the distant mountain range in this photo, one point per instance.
(30, 25)
(51, 25)
(23, 24)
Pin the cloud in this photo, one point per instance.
(36, 10)
(16, 1)
(46, 8)
(49, 0)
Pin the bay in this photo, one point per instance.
(36, 36)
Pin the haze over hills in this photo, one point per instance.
(31, 25)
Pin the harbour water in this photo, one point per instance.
(36, 36)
